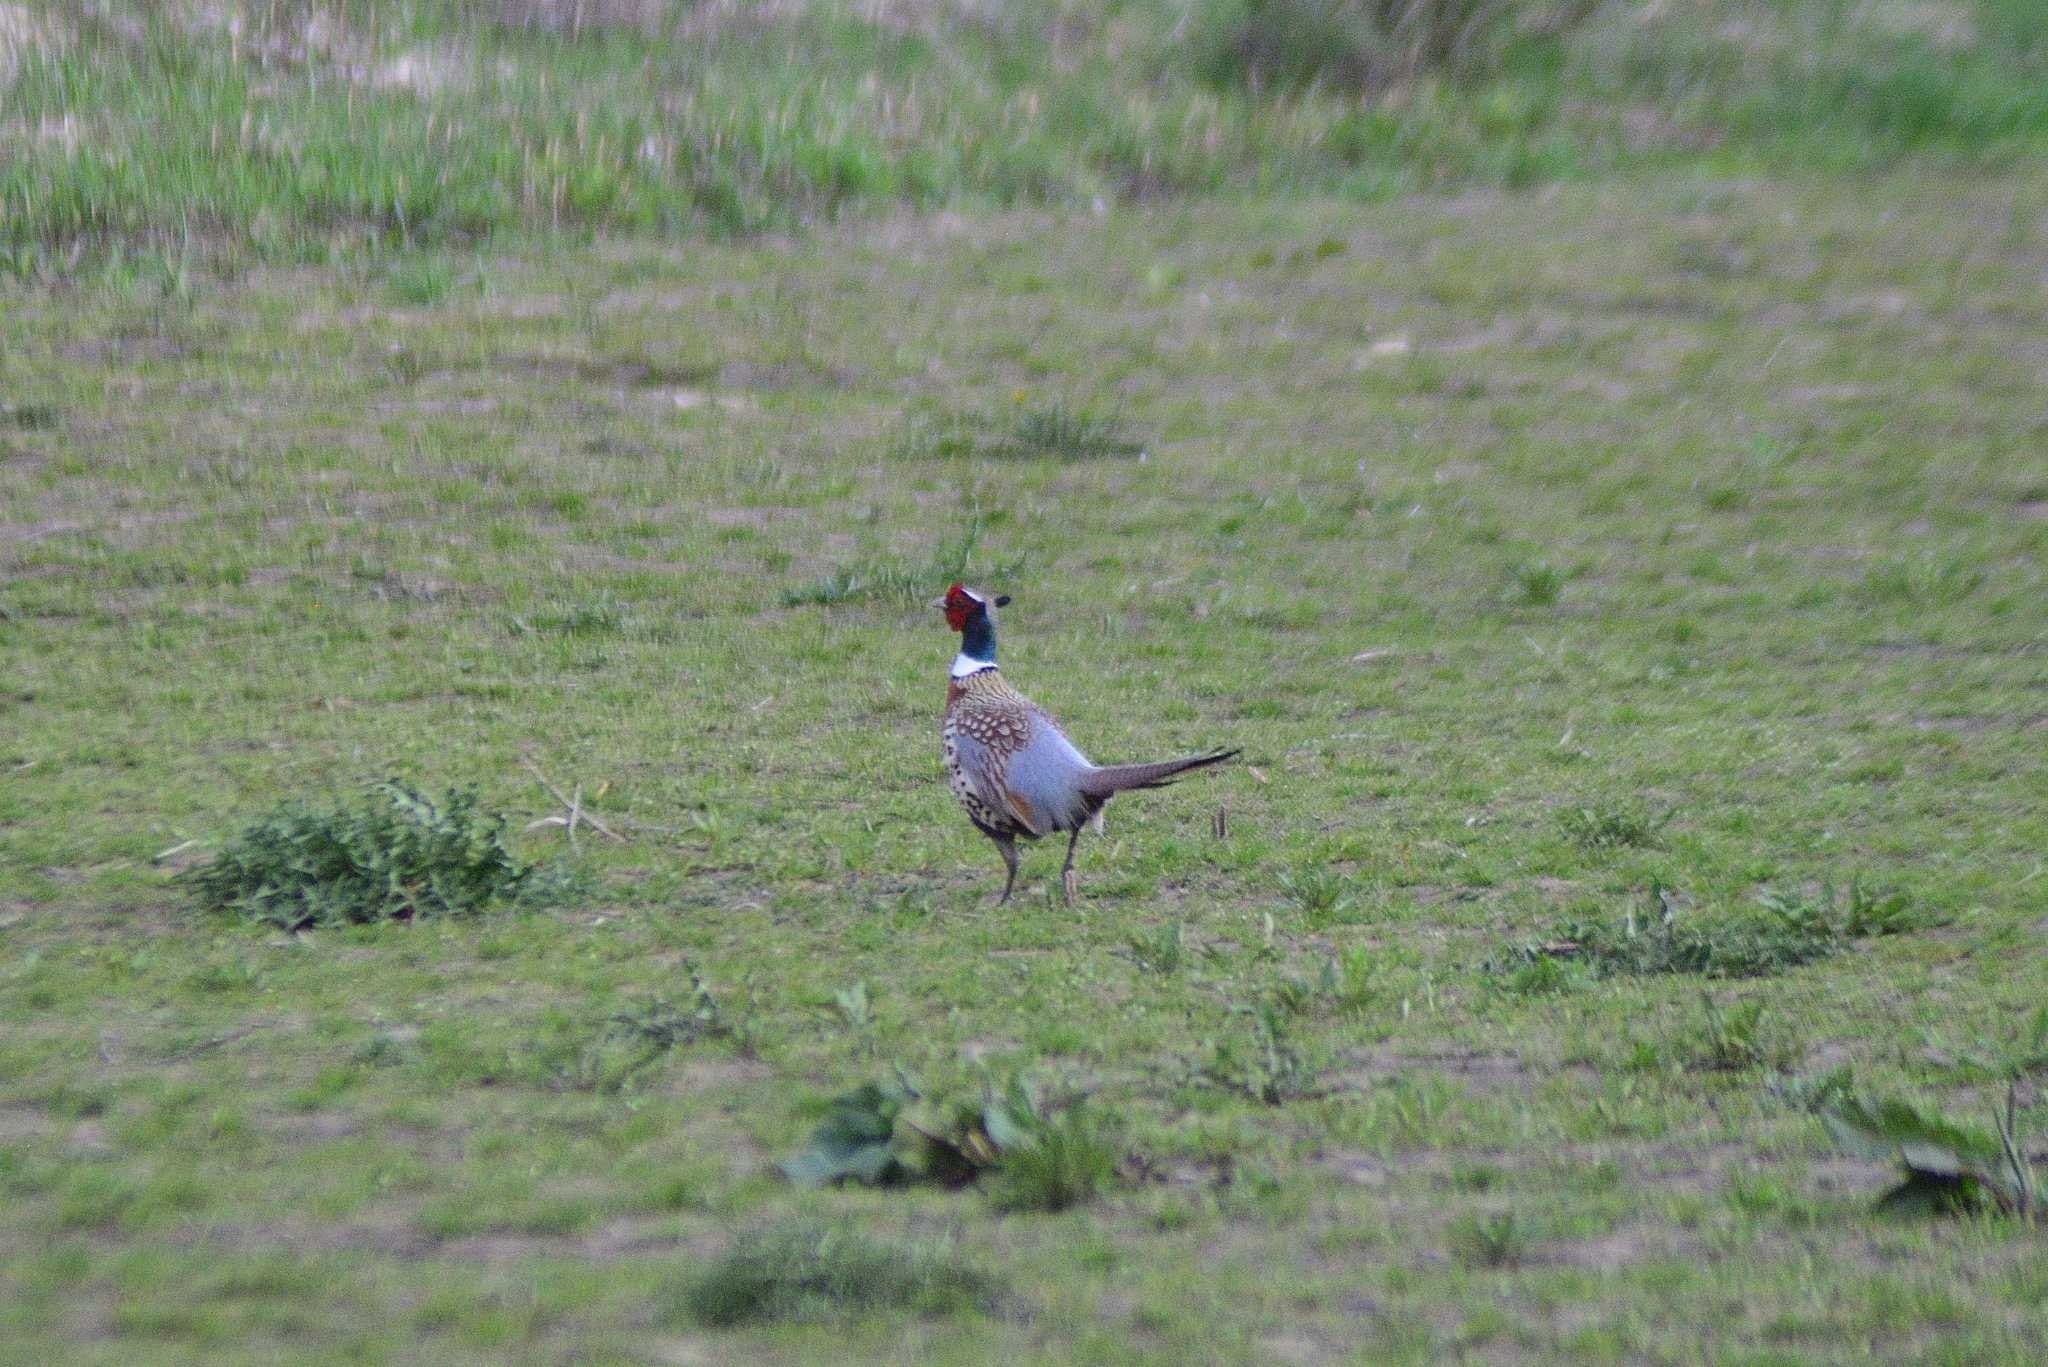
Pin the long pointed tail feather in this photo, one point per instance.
(1112, 779)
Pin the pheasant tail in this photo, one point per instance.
(1111, 779)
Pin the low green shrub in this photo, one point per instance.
(392, 857)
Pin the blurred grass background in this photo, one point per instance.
(214, 132)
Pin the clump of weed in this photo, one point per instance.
(1263, 1063)
(873, 580)
(1343, 985)
(1951, 1167)
(1735, 1037)
(615, 1054)
(32, 417)
(1052, 430)
(811, 1272)
(886, 1134)
(1325, 898)
(1491, 1241)
(1926, 580)
(1053, 1160)
(1367, 44)
(393, 857)
(1542, 974)
(896, 580)
(1352, 981)
(1860, 911)
(1785, 930)
(1729, 947)
(1538, 583)
(599, 616)
(660, 1024)
(1067, 434)
(1161, 952)
(1946, 1167)
(1629, 825)
(421, 279)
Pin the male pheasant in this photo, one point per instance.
(1009, 763)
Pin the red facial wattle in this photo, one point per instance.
(960, 605)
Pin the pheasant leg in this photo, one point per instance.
(1008, 846)
(1067, 869)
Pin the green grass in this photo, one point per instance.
(273, 537)
(801, 1272)
(144, 140)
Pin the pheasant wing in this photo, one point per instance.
(1045, 775)
(983, 761)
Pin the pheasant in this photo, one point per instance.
(1007, 760)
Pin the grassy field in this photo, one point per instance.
(1623, 569)
(169, 135)
(1555, 559)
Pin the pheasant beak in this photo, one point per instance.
(937, 604)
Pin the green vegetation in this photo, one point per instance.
(396, 856)
(1626, 596)
(803, 1272)
(273, 537)
(149, 137)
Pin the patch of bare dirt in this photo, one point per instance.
(1297, 1346)
(701, 1074)
(1832, 393)
(313, 1127)
(475, 407)
(1479, 1071)
(24, 1122)
(22, 533)
(391, 1237)
(1622, 1247)
(587, 16)
(770, 379)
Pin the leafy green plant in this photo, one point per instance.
(1860, 912)
(1599, 828)
(1039, 430)
(615, 1054)
(1324, 896)
(1538, 583)
(661, 1025)
(1733, 1037)
(1263, 1063)
(1784, 932)
(1491, 1241)
(856, 1142)
(806, 1271)
(1161, 952)
(1948, 1168)
(1066, 433)
(886, 1134)
(1048, 1160)
(395, 856)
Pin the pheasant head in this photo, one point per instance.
(972, 613)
